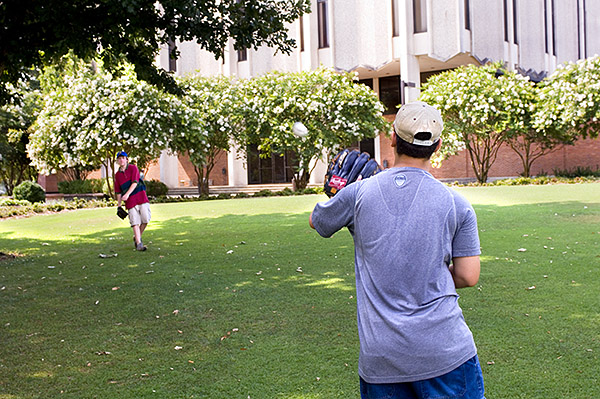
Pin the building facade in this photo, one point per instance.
(394, 46)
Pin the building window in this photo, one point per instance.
(467, 15)
(323, 25)
(301, 33)
(505, 20)
(585, 52)
(276, 168)
(172, 55)
(553, 28)
(515, 23)
(420, 15)
(546, 27)
(395, 19)
(242, 55)
(389, 93)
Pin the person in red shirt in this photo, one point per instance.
(129, 189)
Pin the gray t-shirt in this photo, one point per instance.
(407, 226)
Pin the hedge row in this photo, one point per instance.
(11, 207)
(522, 181)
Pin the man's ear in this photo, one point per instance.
(439, 145)
(394, 138)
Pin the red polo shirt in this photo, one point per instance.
(124, 179)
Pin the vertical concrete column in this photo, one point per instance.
(318, 173)
(237, 170)
(169, 169)
(410, 71)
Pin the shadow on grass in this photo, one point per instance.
(261, 306)
(209, 301)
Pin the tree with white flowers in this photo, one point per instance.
(336, 110)
(570, 99)
(215, 99)
(482, 107)
(89, 115)
(16, 118)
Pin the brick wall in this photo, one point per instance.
(585, 153)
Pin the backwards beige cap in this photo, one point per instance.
(418, 117)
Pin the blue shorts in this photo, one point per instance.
(464, 382)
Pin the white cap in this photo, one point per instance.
(418, 117)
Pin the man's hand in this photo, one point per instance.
(125, 197)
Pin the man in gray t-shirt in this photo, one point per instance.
(416, 241)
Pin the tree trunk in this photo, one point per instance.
(202, 181)
(110, 189)
(300, 181)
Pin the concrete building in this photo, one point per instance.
(394, 46)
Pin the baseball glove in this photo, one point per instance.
(122, 213)
(347, 167)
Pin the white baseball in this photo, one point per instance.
(299, 129)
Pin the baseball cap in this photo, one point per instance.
(121, 154)
(418, 117)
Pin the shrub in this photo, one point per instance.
(29, 191)
(75, 187)
(285, 192)
(14, 202)
(264, 193)
(242, 195)
(155, 188)
(312, 190)
(579, 171)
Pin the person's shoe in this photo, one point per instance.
(141, 247)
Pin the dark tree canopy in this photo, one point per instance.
(35, 32)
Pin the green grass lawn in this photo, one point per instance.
(241, 299)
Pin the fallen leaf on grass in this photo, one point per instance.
(108, 256)
(522, 249)
(103, 353)
(177, 348)
(491, 363)
(176, 312)
(531, 288)
(115, 288)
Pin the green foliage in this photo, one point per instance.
(217, 100)
(29, 191)
(336, 110)
(81, 186)
(41, 32)
(89, 115)
(155, 188)
(13, 202)
(263, 193)
(570, 99)
(535, 181)
(482, 106)
(16, 118)
(25, 208)
(579, 171)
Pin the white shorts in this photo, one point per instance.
(140, 214)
